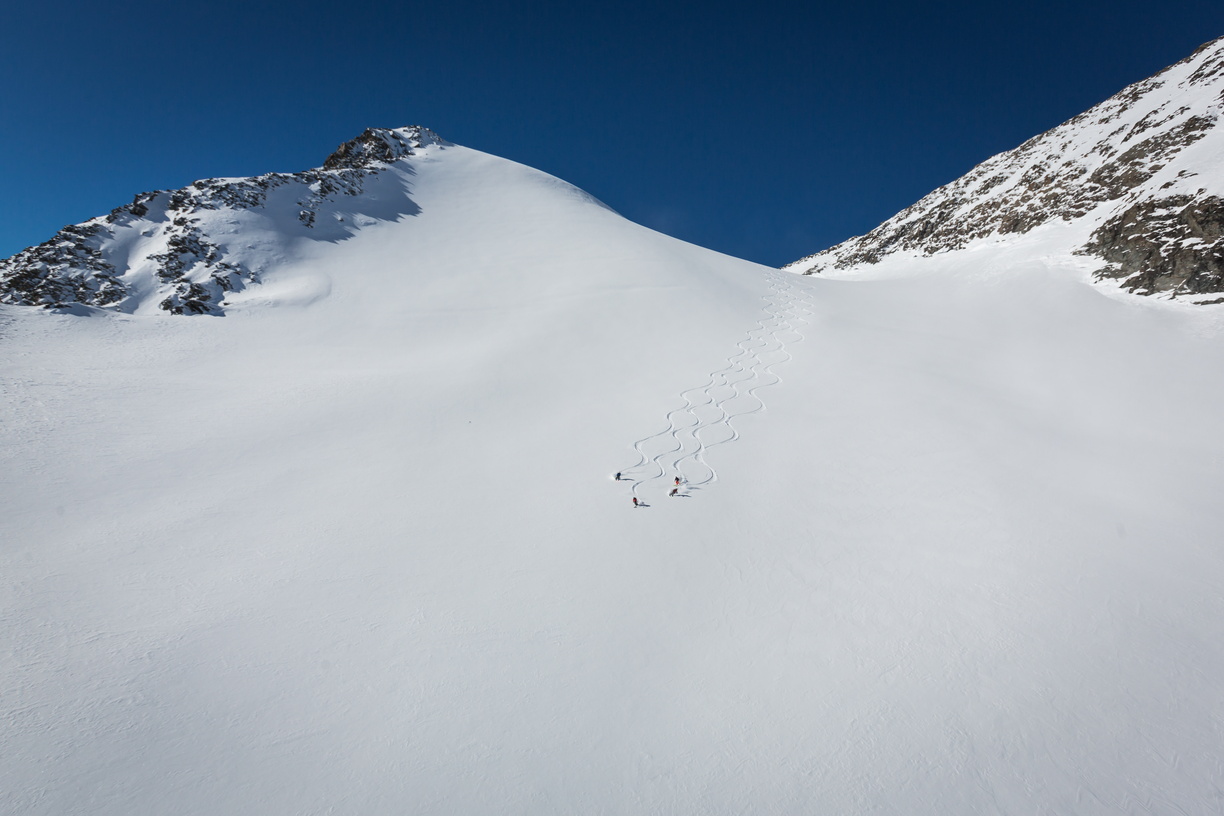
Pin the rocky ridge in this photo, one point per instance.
(1142, 173)
(180, 248)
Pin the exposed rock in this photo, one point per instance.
(1126, 165)
(94, 264)
(381, 145)
(66, 269)
(1173, 244)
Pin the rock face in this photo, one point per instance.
(1143, 173)
(185, 249)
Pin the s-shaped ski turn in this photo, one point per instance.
(673, 461)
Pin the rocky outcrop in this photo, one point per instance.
(1134, 169)
(377, 145)
(68, 268)
(1173, 244)
(172, 238)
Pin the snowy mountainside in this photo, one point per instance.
(1141, 176)
(930, 554)
(183, 251)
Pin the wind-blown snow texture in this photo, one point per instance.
(1141, 176)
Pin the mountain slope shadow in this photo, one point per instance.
(186, 249)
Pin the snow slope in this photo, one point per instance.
(184, 251)
(1136, 183)
(950, 543)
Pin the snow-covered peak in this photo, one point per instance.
(1142, 173)
(182, 251)
(381, 145)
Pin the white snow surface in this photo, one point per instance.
(950, 540)
(1157, 140)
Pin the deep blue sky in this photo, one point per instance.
(764, 130)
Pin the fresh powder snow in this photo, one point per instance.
(946, 538)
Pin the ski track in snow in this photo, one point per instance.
(706, 419)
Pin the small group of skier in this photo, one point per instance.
(675, 491)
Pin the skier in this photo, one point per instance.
(675, 490)
(677, 482)
(618, 475)
(635, 501)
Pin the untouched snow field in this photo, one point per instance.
(950, 541)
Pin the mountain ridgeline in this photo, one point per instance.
(184, 250)
(1142, 175)
(1139, 179)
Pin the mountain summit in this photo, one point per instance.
(183, 250)
(1138, 178)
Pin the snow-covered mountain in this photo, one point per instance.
(943, 542)
(1137, 182)
(184, 250)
